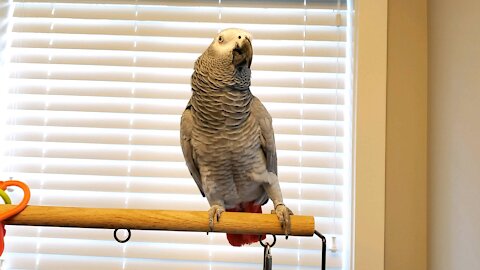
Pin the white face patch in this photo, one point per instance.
(228, 39)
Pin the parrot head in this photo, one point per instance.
(236, 44)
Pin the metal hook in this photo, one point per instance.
(264, 245)
(267, 256)
(122, 241)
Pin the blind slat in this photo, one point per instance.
(166, 122)
(146, 237)
(172, 60)
(181, 14)
(165, 91)
(288, 174)
(175, 29)
(167, 75)
(171, 44)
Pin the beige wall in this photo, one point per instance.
(454, 135)
(406, 150)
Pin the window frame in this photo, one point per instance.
(369, 134)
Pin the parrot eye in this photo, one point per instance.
(220, 39)
(239, 37)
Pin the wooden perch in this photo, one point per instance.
(136, 219)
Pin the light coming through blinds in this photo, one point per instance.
(93, 104)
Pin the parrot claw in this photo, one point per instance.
(214, 213)
(283, 214)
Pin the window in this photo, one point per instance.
(92, 111)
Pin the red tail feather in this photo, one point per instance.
(238, 240)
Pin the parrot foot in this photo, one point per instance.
(283, 214)
(214, 213)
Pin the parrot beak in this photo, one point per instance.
(243, 53)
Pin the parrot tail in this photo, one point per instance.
(238, 240)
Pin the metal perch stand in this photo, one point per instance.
(137, 219)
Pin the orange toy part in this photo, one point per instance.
(19, 208)
(2, 235)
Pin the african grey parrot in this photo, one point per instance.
(227, 137)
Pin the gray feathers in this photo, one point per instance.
(226, 133)
(186, 125)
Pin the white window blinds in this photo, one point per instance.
(93, 104)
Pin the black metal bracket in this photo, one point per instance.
(324, 248)
(317, 233)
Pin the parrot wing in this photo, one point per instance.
(263, 118)
(186, 126)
